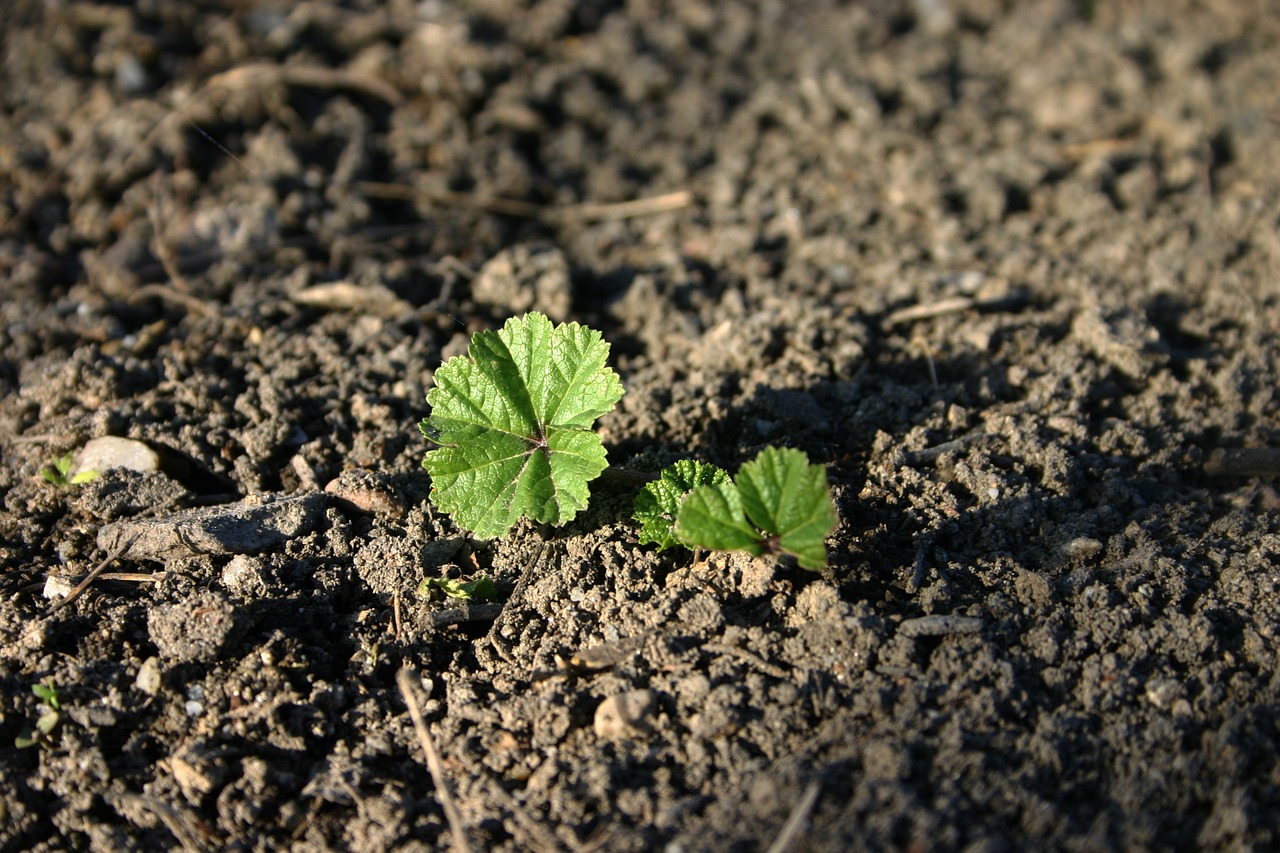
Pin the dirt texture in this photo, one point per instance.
(1008, 269)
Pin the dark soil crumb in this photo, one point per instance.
(1008, 269)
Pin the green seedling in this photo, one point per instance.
(513, 423)
(61, 467)
(778, 503)
(48, 719)
(480, 589)
(513, 420)
(658, 503)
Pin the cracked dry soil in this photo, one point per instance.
(1007, 269)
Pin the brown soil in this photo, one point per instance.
(1010, 273)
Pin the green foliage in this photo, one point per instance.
(48, 719)
(513, 420)
(480, 589)
(61, 467)
(777, 503)
(513, 423)
(658, 503)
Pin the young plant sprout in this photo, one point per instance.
(513, 423)
(513, 420)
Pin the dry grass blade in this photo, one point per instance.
(551, 214)
(260, 74)
(405, 680)
(796, 820)
(97, 572)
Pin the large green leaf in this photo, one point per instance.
(513, 419)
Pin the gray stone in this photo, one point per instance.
(939, 626)
(251, 526)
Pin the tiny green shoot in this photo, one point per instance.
(658, 503)
(58, 472)
(480, 589)
(48, 719)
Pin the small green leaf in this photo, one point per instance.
(480, 589)
(27, 739)
(658, 503)
(514, 419)
(57, 472)
(713, 517)
(48, 693)
(789, 499)
(778, 502)
(61, 467)
(47, 722)
(64, 463)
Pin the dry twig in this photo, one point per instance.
(1250, 462)
(570, 214)
(796, 820)
(536, 836)
(97, 572)
(404, 679)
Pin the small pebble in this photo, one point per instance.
(57, 587)
(939, 626)
(244, 575)
(110, 451)
(1082, 548)
(148, 679)
(368, 492)
(626, 715)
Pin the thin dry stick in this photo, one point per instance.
(159, 245)
(796, 820)
(589, 212)
(929, 310)
(748, 658)
(97, 572)
(260, 75)
(1011, 301)
(192, 303)
(132, 577)
(405, 679)
(397, 626)
(186, 828)
(556, 215)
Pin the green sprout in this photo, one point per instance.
(480, 589)
(513, 424)
(48, 719)
(658, 503)
(778, 503)
(57, 472)
(513, 420)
